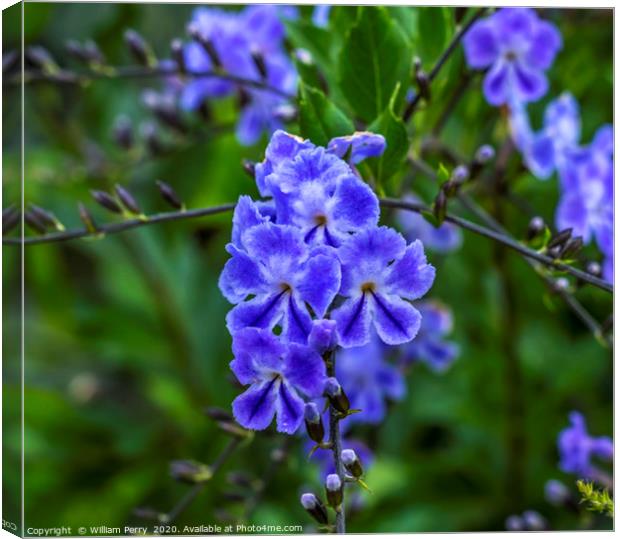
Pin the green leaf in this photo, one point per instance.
(393, 129)
(317, 41)
(375, 57)
(407, 18)
(320, 119)
(435, 29)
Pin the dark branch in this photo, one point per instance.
(442, 60)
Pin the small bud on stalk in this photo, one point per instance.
(190, 471)
(127, 199)
(33, 221)
(194, 32)
(440, 206)
(424, 85)
(460, 174)
(123, 132)
(10, 218)
(40, 58)
(315, 507)
(10, 60)
(556, 493)
(484, 154)
(352, 463)
(87, 218)
(46, 217)
(218, 414)
(336, 395)
(333, 490)
(169, 195)
(534, 521)
(140, 49)
(152, 139)
(249, 167)
(165, 109)
(572, 247)
(561, 284)
(594, 268)
(107, 201)
(535, 228)
(560, 238)
(93, 53)
(240, 479)
(176, 48)
(314, 422)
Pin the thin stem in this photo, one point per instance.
(442, 60)
(115, 228)
(503, 239)
(335, 439)
(138, 72)
(191, 494)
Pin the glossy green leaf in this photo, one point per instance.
(376, 56)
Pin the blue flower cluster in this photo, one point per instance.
(236, 38)
(577, 448)
(311, 269)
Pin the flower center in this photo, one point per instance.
(320, 220)
(285, 287)
(510, 56)
(368, 287)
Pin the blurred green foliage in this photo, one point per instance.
(125, 337)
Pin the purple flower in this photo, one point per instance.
(577, 447)
(381, 274)
(549, 149)
(320, 15)
(586, 202)
(277, 374)
(360, 146)
(236, 37)
(368, 380)
(442, 239)
(429, 345)
(272, 276)
(517, 48)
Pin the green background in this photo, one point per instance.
(125, 337)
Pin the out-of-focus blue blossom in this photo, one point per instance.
(276, 269)
(442, 239)
(236, 37)
(516, 47)
(430, 345)
(381, 274)
(320, 15)
(359, 146)
(368, 380)
(577, 447)
(278, 375)
(551, 148)
(556, 492)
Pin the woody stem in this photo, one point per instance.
(335, 439)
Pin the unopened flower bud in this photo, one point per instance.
(169, 195)
(249, 167)
(196, 34)
(594, 268)
(336, 395)
(440, 206)
(123, 132)
(556, 492)
(45, 217)
(127, 199)
(314, 422)
(572, 247)
(560, 238)
(93, 53)
(278, 455)
(87, 218)
(190, 471)
(107, 201)
(40, 58)
(10, 60)
(460, 174)
(34, 222)
(514, 523)
(152, 139)
(304, 56)
(176, 48)
(75, 49)
(140, 49)
(352, 463)
(534, 521)
(561, 284)
(417, 64)
(484, 154)
(535, 228)
(315, 507)
(285, 113)
(10, 218)
(333, 490)
(423, 83)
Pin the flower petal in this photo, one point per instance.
(251, 125)
(247, 214)
(320, 282)
(480, 45)
(495, 85)
(572, 213)
(362, 145)
(290, 409)
(356, 205)
(304, 369)
(260, 312)
(254, 409)
(322, 335)
(528, 84)
(540, 156)
(297, 323)
(353, 322)
(545, 44)
(411, 276)
(255, 350)
(396, 321)
(280, 244)
(240, 277)
(391, 382)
